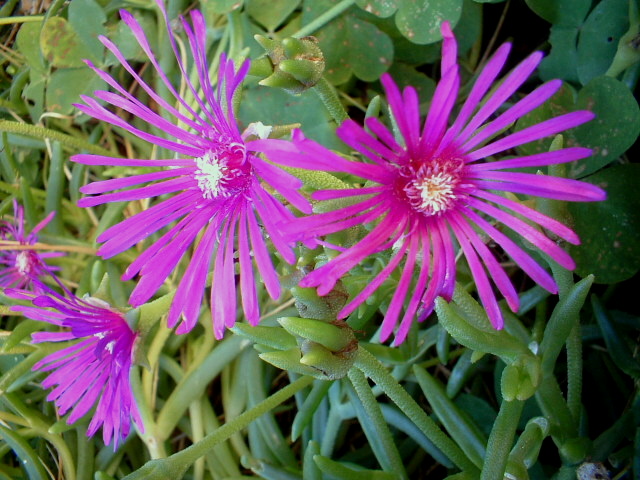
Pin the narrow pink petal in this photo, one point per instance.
(248, 292)
(536, 160)
(383, 133)
(419, 290)
(261, 256)
(530, 134)
(483, 286)
(481, 86)
(546, 222)
(86, 159)
(149, 191)
(521, 108)
(541, 186)
(526, 231)
(507, 88)
(524, 261)
(117, 183)
(496, 271)
(397, 300)
(373, 285)
(354, 136)
(187, 301)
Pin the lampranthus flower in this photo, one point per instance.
(214, 196)
(20, 267)
(435, 188)
(95, 369)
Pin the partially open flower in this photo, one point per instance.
(94, 370)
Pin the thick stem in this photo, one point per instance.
(328, 95)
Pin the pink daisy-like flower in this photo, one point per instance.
(23, 268)
(214, 196)
(94, 369)
(435, 189)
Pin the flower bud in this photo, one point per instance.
(296, 64)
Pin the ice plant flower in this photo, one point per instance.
(22, 267)
(93, 370)
(214, 198)
(435, 188)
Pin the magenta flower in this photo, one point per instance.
(23, 268)
(213, 198)
(434, 189)
(94, 369)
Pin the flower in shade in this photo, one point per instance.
(94, 370)
(212, 193)
(21, 267)
(436, 187)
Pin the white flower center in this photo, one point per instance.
(433, 189)
(436, 192)
(215, 170)
(109, 346)
(23, 262)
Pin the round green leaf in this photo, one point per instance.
(66, 85)
(615, 128)
(609, 230)
(87, 18)
(565, 12)
(599, 37)
(610, 134)
(61, 44)
(380, 8)
(273, 106)
(420, 20)
(27, 42)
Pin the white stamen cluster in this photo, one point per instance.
(23, 262)
(433, 189)
(210, 175)
(216, 169)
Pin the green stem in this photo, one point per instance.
(501, 440)
(23, 19)
(174, 466)
(150, 438)
(328, 95)
(323, 19)
(373, 369)
(36, 131)
(574, 372)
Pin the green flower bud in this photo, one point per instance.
(332, 365)
(311, 305)
(296, 64)
(520, 379)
